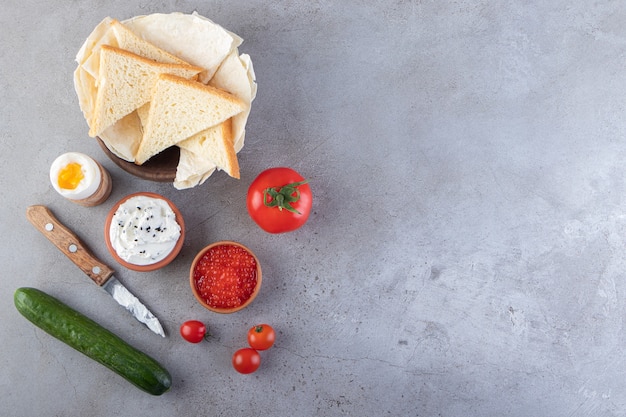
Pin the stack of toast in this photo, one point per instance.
(158, 81)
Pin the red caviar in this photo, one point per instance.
(225, 276)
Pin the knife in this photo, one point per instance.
(64, 239)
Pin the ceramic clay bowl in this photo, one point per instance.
(225, 277)
(159, 168)
(152, 266)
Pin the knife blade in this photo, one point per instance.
(68, 242)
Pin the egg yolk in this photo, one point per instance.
(70, 176)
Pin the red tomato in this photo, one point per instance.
(193, 331)
(279, 200)
(261, 337)
(246, 360)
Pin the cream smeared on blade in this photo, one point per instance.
(132, 304)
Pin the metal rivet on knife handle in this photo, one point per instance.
(64, 239)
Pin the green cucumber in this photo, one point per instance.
(88, 337)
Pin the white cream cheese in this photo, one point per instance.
(86, 186)
(144, 230)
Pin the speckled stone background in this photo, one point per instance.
(465, 255)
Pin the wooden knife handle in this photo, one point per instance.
(64, 239)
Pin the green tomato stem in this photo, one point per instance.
(282, 197)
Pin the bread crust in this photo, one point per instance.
(132, 41)
(177, 118)
(101, 118)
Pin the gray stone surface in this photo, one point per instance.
(465, 255)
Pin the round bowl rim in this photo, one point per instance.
(159, 168)
(192, 282)
(157, 265)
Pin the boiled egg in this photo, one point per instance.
(75, 175)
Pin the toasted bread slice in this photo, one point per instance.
(128, 40)
(216, 145)
(113, 33)
(125, 82)
(180, 108)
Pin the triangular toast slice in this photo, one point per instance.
(215, 145)
(128, 40)
(114, 33)
(180, 108)
(125, 82)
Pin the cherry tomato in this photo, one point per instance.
(261, 337)
(279, 200)
(246, 360)
(193, 331)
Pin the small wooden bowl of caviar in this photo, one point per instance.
(225, 277)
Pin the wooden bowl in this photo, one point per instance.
(197, 292)
(159, 168)
(157, 265)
